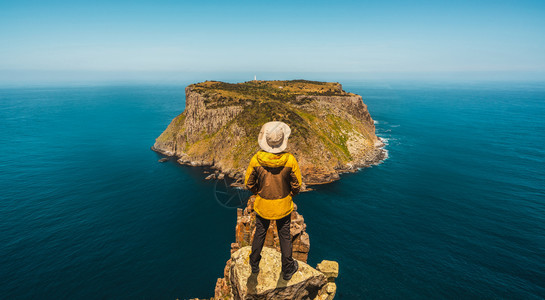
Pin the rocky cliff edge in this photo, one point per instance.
(306, 283)
(238, 281)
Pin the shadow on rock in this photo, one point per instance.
(251, 284)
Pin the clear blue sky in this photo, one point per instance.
(272, 36)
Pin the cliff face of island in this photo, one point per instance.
(332, 130)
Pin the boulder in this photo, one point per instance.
(329, 268)
(306, 283)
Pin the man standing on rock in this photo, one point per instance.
(274, 177)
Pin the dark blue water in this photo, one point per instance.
(456, 211)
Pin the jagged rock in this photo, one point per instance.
(306, 283)
(245, 230)
(327, 292)
(238, 184)
(222, 290)
(329, 268)
(211, 176)
(163, 159)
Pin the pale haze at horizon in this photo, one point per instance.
(129, 39)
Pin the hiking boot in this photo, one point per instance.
(287, 276)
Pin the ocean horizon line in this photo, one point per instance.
(9, 78)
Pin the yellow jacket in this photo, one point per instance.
(274, 178)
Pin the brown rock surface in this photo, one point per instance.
(306, 283)
(238, 282)
(329, 268)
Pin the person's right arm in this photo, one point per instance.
(250, 180)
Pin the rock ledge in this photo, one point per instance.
(306, 283)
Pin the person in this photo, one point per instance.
(274, 177)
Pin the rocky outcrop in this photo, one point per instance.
(332, 130)
(240, 283)
(245, 230)
(329, 268)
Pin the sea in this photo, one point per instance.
(456, 211)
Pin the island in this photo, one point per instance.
(332, 130)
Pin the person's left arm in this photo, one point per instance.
(295, 176)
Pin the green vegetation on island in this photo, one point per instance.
(332, 131)
(221, 93)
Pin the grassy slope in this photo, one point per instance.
(273, 100)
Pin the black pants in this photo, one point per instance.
(283, 226)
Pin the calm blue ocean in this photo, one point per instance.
(457, 211)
